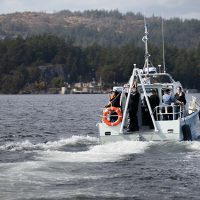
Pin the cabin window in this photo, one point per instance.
(148, 91)
(153, 78)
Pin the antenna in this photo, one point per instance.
(163, 42)
(145, 40)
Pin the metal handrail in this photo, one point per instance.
(177, 111)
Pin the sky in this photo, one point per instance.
(185, 9)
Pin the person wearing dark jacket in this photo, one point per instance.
(154, 102)
(114, 101)
(132, 109)
(180, 97)
(180, 101)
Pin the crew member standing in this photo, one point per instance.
(180, 97)
(132, 109)
(154, 102)
(180, 101)
(154, 99)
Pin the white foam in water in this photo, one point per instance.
(99, 153)
(110, 152)
(17, 146)
(194, 145)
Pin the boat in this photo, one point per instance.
(182, 126)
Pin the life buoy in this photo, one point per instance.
(108, 111)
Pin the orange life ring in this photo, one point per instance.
(107, 111)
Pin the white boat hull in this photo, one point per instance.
(170, 130)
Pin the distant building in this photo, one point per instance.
(87, 88)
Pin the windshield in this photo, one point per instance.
(161, 78)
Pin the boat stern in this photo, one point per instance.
(170, 129)
(112, 134)
(105, 130)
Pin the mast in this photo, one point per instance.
(145, 40)
(163, 42)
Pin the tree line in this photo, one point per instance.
(105, 28)
(44, 61)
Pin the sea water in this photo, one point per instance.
(49, 150)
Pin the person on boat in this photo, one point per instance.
(167, 99)
(146, 118)
(154, 99)
(180, 97)
(133, 108)
(114, 101)
(180, 100)
(154, 102)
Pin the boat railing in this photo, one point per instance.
(169, 112)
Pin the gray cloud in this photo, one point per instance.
(165, 8)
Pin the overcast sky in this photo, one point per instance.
(166, 8)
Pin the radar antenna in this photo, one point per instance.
(147, 62)
(163, 42)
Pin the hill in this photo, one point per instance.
(40, 51)
(105, 28)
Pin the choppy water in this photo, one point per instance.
(49, 150)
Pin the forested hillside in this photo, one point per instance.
(106, 28)
(40, 62)
(39, 51)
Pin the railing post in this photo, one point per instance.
(127, 99)
(173, 111)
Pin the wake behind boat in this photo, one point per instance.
(174, 122)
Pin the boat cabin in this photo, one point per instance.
(157, 82)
